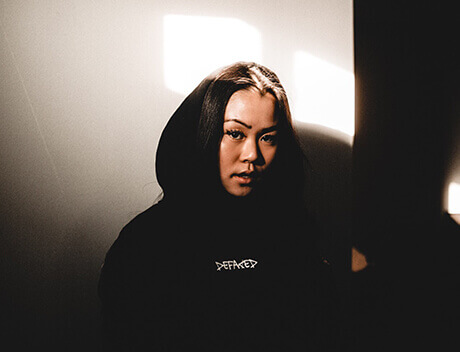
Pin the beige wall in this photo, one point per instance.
(82, 104)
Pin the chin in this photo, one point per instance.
(240, 192)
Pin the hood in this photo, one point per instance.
(188, 174)
(176, 157)
(189, 185)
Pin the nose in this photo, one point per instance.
(250, 151)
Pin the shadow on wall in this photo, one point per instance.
(328, 193)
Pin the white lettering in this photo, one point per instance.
(234, 265)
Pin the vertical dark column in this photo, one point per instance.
(403, 65)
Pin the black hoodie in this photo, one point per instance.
(205, 271)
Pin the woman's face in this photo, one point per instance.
(249, 144)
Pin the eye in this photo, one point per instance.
(235, 134)
(269, 138)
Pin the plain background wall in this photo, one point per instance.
(82, 104)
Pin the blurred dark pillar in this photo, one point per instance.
(405, 74)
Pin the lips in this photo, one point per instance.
(245, 178)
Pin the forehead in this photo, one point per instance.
(252, 108)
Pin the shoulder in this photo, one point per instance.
(138, 246)
(149, 224)
(152, 216)
(144, 234)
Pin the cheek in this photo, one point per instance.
(269, 154)
(228, 154)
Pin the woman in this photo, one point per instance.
(226, 261)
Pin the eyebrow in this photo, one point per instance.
(263, 131)
(269, 129)
(240, 122)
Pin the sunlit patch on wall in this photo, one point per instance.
(323, 93)
(453, 206)
(195, 46)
